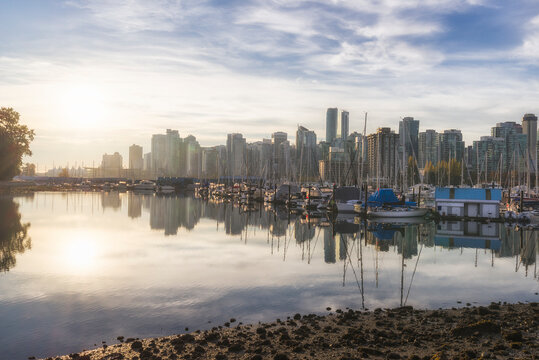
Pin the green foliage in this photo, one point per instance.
(439, 174)
(15, 142)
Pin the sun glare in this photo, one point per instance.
(80, 254)
(83, 106)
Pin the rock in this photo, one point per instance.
(297, 317)
(280, 356)
(480, 327)
(393, 356)
(113, 356)
(512, 335)
(481, 310)
(235, 347)
(136, 345)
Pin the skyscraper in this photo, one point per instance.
(111, 165)
(408, 135)
(382, 154)
(166, 153)
(343, 128)
(306, 153)
(451, 145)
(236, 147)
(427, 148)
(332, 115)
(135, 157)
(281, 154)
(515, 143)
(488, 152)
(529, 127)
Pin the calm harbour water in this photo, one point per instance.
(77, 269)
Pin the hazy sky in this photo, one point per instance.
(94, 76)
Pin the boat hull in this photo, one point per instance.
(398, 213)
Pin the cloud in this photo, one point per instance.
(133, 15)
(529, 51)
(210, 68)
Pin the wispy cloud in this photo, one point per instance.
(209, 67)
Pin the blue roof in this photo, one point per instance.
(468, 194)
(383, 197)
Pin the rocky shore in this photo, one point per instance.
(508, 331)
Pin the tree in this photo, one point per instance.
(13, 234)
(64, 172)
(15, 141)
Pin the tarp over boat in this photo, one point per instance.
(386, 197)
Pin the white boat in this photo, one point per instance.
(398, 212)
(144, 185)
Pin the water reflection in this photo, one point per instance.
(170, 213)
(13, 234)
(145, 265)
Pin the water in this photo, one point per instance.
(77, 269)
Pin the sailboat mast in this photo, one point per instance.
(362, 148)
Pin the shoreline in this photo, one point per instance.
(489, 332)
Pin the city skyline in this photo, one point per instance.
(94, 77)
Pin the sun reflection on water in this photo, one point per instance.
(80, 254)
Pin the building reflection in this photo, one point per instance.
(111, 200)
(13, 234)
(134, 205)
(171, 213)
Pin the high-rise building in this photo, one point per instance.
(529, 128)
(332, 116)
(382, 147)
(191, 158)
(166, 153)
(281, 154)
(451, 145)
(236, 148)
(136, 161)
(111, 165)
(489, 152)
(408, 135)
(306, 159)
(515, 143)
(209, 163)
(344, 123)
(147, 162)
(427, 148)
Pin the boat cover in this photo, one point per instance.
(383, 197)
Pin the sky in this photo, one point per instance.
(95, 76)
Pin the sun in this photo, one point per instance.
(83, 106)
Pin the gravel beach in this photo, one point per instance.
(497, 331)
